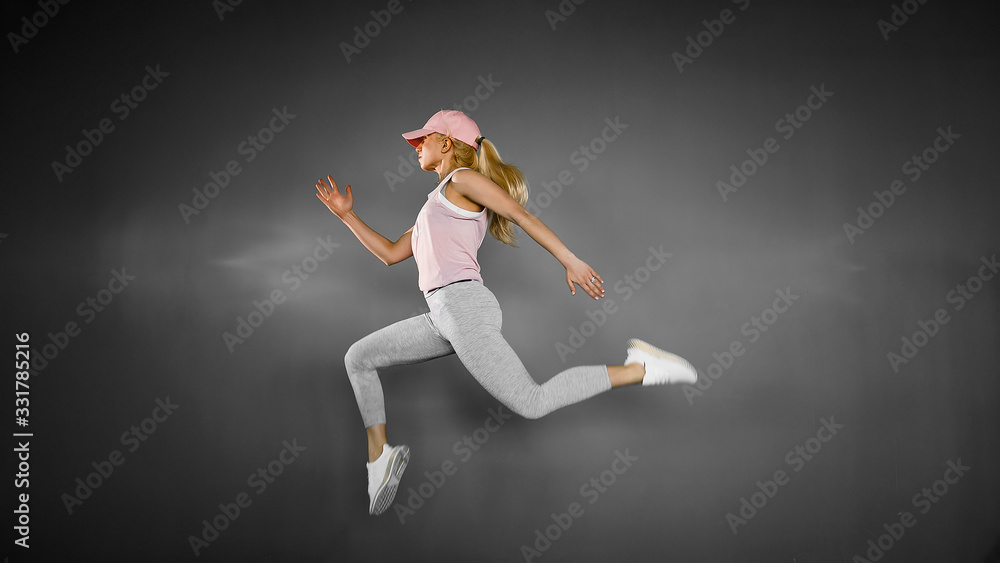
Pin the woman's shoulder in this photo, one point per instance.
(463, 175)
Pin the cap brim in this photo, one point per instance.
(413, 137)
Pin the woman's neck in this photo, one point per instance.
(444, 169)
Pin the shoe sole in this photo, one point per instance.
(658, 353)
(385, 494)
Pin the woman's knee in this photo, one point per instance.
(530, 413)
(355, 359)
(529, 406)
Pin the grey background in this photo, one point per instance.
(654, 185)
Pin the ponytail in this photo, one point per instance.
(506, 175)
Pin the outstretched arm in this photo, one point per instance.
(342, 205)
(485, 192)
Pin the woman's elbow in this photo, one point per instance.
(520, 217)
(391, 260)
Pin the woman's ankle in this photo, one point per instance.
(631, 374)
(376, 439)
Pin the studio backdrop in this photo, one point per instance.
(798, 197)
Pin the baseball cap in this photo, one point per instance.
(447, 122)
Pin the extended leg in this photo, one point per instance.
(470, 318)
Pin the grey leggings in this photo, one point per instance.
(464, 319)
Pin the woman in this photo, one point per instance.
(477, 193)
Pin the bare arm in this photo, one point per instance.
(384, 249)
(483, 191)
(342, 205)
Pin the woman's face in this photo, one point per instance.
(430, 151)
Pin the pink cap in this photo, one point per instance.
(448, 122)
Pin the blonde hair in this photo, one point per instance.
(506, 175)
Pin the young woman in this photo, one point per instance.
(476, 193)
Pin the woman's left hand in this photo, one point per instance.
(580, 273)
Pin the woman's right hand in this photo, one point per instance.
(339, 204)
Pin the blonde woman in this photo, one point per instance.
(476, 193)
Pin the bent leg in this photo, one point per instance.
(405, 342)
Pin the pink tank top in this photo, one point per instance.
(446, 239)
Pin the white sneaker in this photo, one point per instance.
(383, 477)
(661, 366)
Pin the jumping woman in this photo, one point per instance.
(476, 193)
